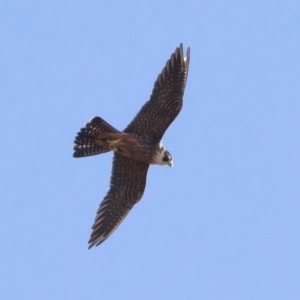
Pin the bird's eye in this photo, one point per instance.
(166, 158)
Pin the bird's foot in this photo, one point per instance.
(112, 144)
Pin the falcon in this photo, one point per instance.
(136, 147)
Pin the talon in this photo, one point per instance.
(112, 143)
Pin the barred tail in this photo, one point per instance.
(91, 139)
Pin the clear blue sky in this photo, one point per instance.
(223, 223)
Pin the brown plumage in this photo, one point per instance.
(135, 148)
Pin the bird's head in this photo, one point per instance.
(166, 157)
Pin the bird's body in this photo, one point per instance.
(136, 147)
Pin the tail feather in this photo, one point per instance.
(88, 141)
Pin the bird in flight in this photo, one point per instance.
(136, 147)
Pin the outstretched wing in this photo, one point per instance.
(166, 100)
(127, 185)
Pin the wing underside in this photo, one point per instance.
(166, 100)
(127, 185)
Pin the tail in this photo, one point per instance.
(91, 139)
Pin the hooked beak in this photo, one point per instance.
(170, 164)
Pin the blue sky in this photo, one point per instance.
(223, 223)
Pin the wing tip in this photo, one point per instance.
(97, 240)
(93, 244)
(179, 54)
(185, 59)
